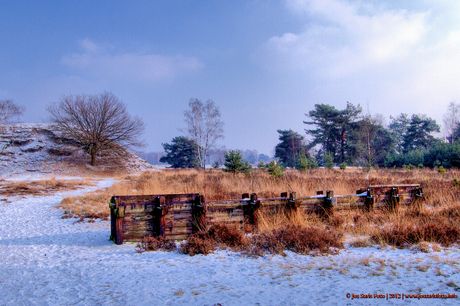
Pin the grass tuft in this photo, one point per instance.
(155, 244)
(295, 238)
(198, 243)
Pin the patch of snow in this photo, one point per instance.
(46, 260)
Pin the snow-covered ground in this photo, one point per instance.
(46, 260)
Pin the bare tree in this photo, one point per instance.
(9, 110)
(97, 122)
(451, 118)
(204, 126)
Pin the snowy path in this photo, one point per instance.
(46, 260)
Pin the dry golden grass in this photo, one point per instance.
(267, 222)
(218, 185)
(435, 221)
(40, 187)
(360, 242)
(93, 205)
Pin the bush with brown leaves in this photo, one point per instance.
(155, 244)
(227, 235)
(198, 243)
(410, 233)
(299, 239)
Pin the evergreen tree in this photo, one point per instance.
(333, 129)
(181, 153)
(305, 163)
(347, 123)
(398, 128)
(418, 135)
(290, 148)
(275, 170)
(370, 143)
(328, 160)
(327, 132)
(235, 163)
(443, 154)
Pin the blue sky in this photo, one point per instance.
(264, 63)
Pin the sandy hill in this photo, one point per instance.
(36, 148)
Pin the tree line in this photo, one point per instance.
(348, 137)
(101, 123)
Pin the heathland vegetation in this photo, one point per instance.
(431, 225)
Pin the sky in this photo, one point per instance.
(265, 64)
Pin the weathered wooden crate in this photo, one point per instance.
(167, 215)
(177, 216)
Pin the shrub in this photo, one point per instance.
(262, 165)
(275, 169)
(361, 243)
(343, 166)
(305, 163)
(296, 238)
(441, 170)
(155, 244)
(328, 160)
(455, 182)
(227, 235)
(235, 163)
(412, 233)
(205, 242)
(198, 243)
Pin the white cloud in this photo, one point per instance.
(98, 61)
(345, 38)
(89, 46)
(401, 58)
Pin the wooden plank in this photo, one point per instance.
(225, 220)
(394, 185)
(177, 237)
(139, 208)
(184, 222)
(180, 231)
(223, 206)
(136, 217)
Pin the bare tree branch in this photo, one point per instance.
(98, 122)
(9, 110)
(203, 126)
(451, 118)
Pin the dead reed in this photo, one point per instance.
(93, 205)
(40, 187)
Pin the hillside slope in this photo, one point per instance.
(27, 148)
